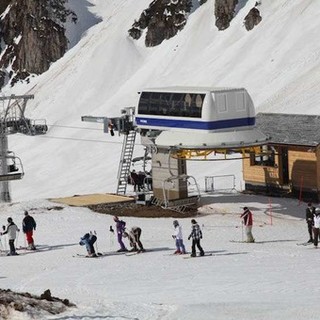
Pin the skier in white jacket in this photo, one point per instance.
(177, 235)
(316, 227)
(11, 230)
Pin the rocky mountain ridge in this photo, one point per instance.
(33, 33)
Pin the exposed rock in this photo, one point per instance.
(34, 36)
(13, 303)
(224, 12)
(163, 20)
(252, 19)
(3, 5)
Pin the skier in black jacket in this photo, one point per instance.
(310, 212)
(28, 225)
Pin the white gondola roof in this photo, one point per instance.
(182, 89)
(213, 140)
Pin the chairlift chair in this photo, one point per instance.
(14, 169)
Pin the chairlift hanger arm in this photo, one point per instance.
(26, 96)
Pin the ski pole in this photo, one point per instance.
(17, 240)
(5, 240)
(241, 230)
(95, 233)
(111, 237)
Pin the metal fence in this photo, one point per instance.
(220, 183)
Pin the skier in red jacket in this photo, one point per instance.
(248, 222)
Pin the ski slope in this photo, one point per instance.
(270, 279)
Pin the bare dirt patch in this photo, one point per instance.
(142, 211)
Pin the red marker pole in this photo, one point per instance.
(300, 194)
(270, 211)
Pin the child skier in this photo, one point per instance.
(177, 235)
(11, 230)
(88, 240)
(134, 237)
(196, 235)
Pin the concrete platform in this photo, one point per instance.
(93, 199)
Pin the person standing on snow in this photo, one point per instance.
(120, 228)
(310, 211)
(28, 225)
(88, 240)
(11, 230)
(134, 237)
(316, 227)
(248, 222)
(196, 235)
(177, 235)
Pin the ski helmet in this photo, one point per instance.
(175, 223)
(9, 220)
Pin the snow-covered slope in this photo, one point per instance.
(278, 62)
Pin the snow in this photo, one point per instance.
(272, 278)
(278, 62)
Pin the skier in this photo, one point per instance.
(316, 226)
(28, 225)
(134, 237)
(11, 230)
(134, 179)
(248, 222)
(178, 237)
(310, 211)
(120, 228)
(88, 240)
(196, 235)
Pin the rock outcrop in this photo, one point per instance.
(224, 12)
(163, 20)
(34, 37)
(252, 19)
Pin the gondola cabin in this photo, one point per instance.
(193, 108)
(214, 118)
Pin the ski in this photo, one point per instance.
(132, 253)
(240, 241)
(304, 244)
(205, 255)
(78, 255)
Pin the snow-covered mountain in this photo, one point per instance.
(278, 62)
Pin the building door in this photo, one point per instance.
(284, 166)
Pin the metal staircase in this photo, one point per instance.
(125, 162)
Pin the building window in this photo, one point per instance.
(266, 157)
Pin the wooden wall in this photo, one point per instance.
(261, 175)
(303, 170)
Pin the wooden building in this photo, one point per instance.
(290, 162)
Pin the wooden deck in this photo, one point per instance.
(92, 199)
